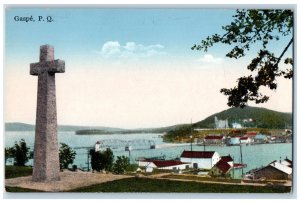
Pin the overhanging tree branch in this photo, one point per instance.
(250, 27)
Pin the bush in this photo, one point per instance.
(121, 164)
(20, 153)
(66, 155)
(102, 160)
(132, 167)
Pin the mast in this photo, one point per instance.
(241, 156)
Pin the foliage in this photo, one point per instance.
(132, 167)
(263, 121)
(66, 155)
(102, 160)
(17, 171)
(20, 152)
(248, 28)
(180, 131)
(121, 164)
(160, 185)
(262, 118)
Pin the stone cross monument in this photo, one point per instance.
(46, 159)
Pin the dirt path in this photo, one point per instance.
(162, 176)
(69, 180)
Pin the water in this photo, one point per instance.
(253, 155)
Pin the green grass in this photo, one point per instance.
(158, 185)
(19, 189)
(150, 185)
(193, 177)
(17, 171)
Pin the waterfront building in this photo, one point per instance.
(260, 138)
(164, 164)
(220, 169)
(245, 140)
(273, 171)
(233, 140)
(214, 140)
(200, 159)
(251, 135)
(228, 159)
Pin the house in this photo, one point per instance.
(228, 159)
(260, 138)
(251, 136)
(171, 164)
(200, 159)
(280, 139)
(220, 169)
(163, 164)
(233, 140)
(214, 140)
(273, 171)
(245, 140)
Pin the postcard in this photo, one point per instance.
(176, 100)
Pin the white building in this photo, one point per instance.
(219, 124)
(200, 159)
(97, 146)
(236, 125)
(164, 164)
(245, 140)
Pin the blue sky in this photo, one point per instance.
(80, 31)
(124, 67)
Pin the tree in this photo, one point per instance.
(248, 28)
(21, 153)
(102, 160)
(121, 164)
(108, 159)
(66, 155)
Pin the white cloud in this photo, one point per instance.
(110, 48)
(210, 59)
(130, 50)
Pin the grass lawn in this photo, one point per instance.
(158, 185)
(17, 171)
(193, 177)
(150, 185)
(19, 189)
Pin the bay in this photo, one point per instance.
(254, 156)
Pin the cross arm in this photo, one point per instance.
(55, 66)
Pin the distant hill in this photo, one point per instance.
(19, 127)
(262, 118)
(29, 127)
